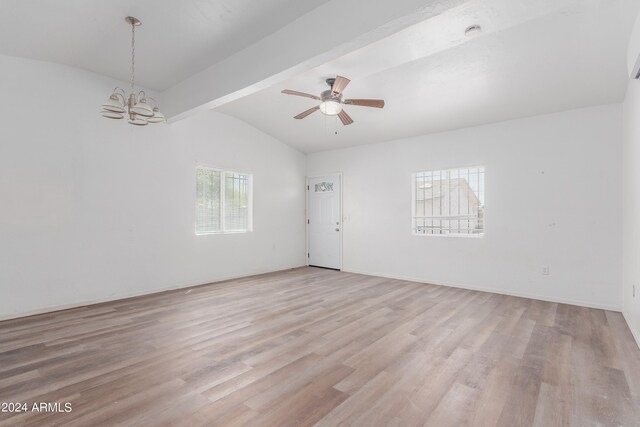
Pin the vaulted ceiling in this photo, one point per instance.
(177, 38)
(531, 57)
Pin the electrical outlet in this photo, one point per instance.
(545, 271)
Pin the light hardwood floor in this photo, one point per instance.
(310, 346)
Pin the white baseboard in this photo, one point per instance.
(133, 294)
(492, 290)
(636, 334)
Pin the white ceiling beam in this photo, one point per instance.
(327, 32)
(446, 31)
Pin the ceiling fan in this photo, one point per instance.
(331, 100)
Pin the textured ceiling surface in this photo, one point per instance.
(532, 57)
(176, 40)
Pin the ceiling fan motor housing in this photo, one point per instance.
(328, 95)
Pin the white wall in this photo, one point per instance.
(92, 209)
(631, 209)
(631, 195)
(553, 198)
(633, 49)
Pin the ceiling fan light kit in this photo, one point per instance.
(330, 107)
(331, 101)
(136, 105)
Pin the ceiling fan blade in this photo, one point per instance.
(377, 103)
(295, 92)
(306, 113)
(345, 118)
(339, 84)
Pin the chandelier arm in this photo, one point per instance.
(155, 103)
(124, 100)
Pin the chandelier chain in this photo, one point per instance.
(133, 54)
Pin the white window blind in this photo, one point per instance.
(449, 202)
(223, 201)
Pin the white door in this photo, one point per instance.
(325, 222)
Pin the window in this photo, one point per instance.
(223, 201)
(449, 202)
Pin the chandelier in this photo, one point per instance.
(140, 108)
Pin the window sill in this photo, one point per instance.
(464, 236)
(223, 232)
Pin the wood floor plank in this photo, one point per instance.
(319, 347)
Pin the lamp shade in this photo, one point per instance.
(111, 114)
(157, 116)
(138, 122)
(330, 107)
(142, 108)
(114, 104)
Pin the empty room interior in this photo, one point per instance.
(320, 212)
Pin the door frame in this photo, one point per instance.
(306, 212)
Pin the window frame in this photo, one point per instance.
(223, 173)
(448, 235)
